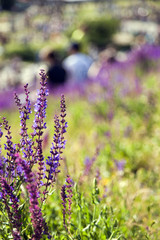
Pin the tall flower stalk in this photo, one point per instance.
(53, 161)
(39, 125)
(11, 205)
(66, 197)
(25, 110)
(20, 182)
(35, 211)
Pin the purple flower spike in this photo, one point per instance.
(69, 196)
(66, 197)
(18, 182)
(39, 125)
(12, 209)
(10, 150)
(32, 187)
(53, 161)
(64, 202)
(25, 142)
(63, 115)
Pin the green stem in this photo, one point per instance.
(94, 212)
(79, 220)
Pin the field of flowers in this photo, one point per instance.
(88, 169)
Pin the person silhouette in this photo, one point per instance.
(56, 73)
(77, 64)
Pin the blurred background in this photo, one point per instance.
(30, 28)
(113, 115)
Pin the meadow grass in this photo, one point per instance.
(112, 156)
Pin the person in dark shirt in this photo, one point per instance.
(56, 73)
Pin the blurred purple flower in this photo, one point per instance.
(110, 115)
(108, 134)
(88, 163)
(120, 164)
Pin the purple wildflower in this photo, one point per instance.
(12, 209)
(69, 196)
(25, 142)
(106, 190)
(1, 162)
(1, 133)
(10, 149)
(120, 164)
(110, 115)
(64, 202)
(1, 167)
(63, 115)
(18, 169)
(98, 175)
(108, 134)
(32, 187)
(39, 125)
(53, 160)
(66, 197)
(89, 163)
(58, 145)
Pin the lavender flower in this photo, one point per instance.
(89, 163)
(69, 196)
(120, 164)
(66, 197)
(64, 202)
(53, 161)
(1, 162)
(1, 168)
(16, 167)
(12, 209)
(25, 143)
(11, 150)
(98, 175)
(1, 133)
(63, 115)
(32, 187)
(39, 125)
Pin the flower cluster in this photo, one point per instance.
(19, 181)
(32, 187)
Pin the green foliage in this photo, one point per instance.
(109, 203)
(25, 52)
(99, 31)
(91, 218)
(29, 52)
